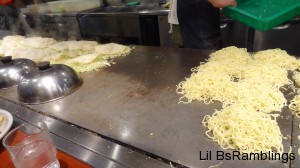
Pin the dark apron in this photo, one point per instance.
(199, 23)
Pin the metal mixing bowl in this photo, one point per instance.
(48, 83)
(12, 70)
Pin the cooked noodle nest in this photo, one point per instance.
(244, 129)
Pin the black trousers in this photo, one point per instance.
(199, 23)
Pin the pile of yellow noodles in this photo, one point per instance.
(249, 86)
(244, 129)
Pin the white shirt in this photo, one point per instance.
(173, 13)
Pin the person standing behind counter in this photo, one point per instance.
(199, 22)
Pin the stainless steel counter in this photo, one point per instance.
(80, 143)
(154, 9)
(134, 103)
(138, 25)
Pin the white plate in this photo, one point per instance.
(6, 124)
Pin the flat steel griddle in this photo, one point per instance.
(135, 102)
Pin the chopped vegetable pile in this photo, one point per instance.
(82, 56)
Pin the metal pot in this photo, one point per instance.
(48, 83)
(11, 71)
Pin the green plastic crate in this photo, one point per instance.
(263, 14)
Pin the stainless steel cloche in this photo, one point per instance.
(47, 83)
(12, 70)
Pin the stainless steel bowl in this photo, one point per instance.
(48, 83)
(11, 71)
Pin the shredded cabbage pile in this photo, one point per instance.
(82, 56)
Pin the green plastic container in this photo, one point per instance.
(133, 3)
(263, 14)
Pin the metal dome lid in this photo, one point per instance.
(48, 83)
(12, 70)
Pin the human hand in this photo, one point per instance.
(222, 3)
